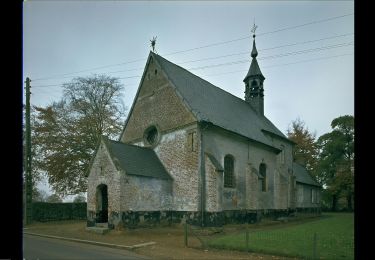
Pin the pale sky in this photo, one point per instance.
(312, 78)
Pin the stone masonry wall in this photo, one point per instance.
(145, 194)
(175, 152)
(284, 167)
(251, 187)
(304, 196)
(214, 187)
(103, 171)
(156, 104)
(247, 193)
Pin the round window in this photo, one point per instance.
(151, 135)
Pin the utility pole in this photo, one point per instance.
(28, 177)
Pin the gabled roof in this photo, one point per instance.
(302, 175)
(211, 104)
(136, 160)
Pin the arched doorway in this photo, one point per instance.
(102, 203)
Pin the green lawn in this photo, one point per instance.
(335, 238)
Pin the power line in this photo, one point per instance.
(279, 65)
(308, 50)
(275, 56)
(205, 46)
(54, 85)
(261, 34)
(106, 66)
(297, 43)
(222, 56)
(305, 24)
(247, 52)
(266, 49)
(303, 61)
(243, 61)
(219, 74)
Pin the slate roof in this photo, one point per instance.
(212, 104)
(135, 160)
(254, 70)
(302, 175)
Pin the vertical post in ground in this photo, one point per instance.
(28, 176)
(247, 238)
(186, 234)
(315, 240)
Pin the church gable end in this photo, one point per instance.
(156, 103)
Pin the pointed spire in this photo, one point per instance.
(254, 81)
(254, 70)
(254, 52)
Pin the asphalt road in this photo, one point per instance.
(35, 247)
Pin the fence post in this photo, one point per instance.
(315, 240)
(186, 234)
(247, 238)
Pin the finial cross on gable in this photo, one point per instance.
(153, 43)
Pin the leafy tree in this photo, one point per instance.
(36, 174)
(336, 160)
(39, 195)
(68, 131)
(305, 150)
(80, 198)
(54, 198)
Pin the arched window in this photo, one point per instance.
(228, 171)
(263, 174)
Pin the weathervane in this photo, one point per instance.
(153, 42)
(254, 29)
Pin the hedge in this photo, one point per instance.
(44, 211)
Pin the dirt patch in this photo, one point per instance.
(169, 240)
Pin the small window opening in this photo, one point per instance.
(192, 141)
(151, 135)
(228, 171)
(263, 174)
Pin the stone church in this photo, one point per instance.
(190, 151)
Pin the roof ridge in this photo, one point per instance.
(226, 92)
(223, 90)
(188, 86)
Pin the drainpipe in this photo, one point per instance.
(203, 177)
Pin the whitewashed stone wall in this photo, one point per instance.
(103, 171)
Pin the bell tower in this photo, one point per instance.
(254, 81)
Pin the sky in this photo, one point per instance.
(305, 49)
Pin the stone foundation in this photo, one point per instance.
(135, 219)
(316, 210)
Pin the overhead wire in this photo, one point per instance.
(279, 65)
(239, 61)
(276, 56)
(205, 46)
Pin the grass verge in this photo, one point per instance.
(334, 239)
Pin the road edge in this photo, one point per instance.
(93, 242)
